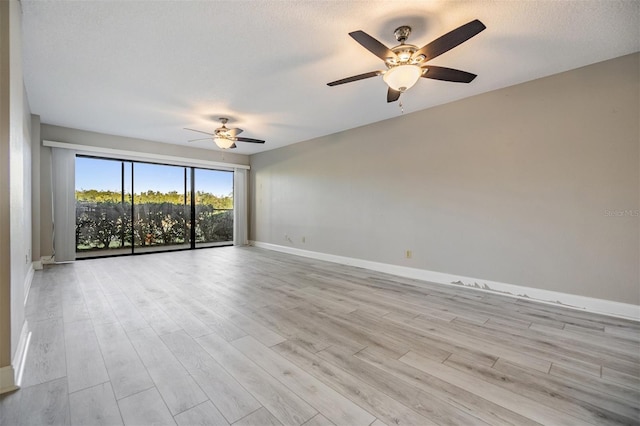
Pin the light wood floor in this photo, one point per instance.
(246, 336)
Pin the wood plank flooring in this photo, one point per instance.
(245, 336)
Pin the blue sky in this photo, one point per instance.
(104, 175)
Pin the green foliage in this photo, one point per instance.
(103, 221)
(156, 197)
(214, 225)
(204, 198)
(95, 196)
(99, 224)
(159, 223)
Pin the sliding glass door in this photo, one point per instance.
(161, 207)
(126, 207)
(213, 207)
(103, 207)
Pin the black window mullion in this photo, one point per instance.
(133, 195)
(122, 237)
(187, 220)
(193, 207)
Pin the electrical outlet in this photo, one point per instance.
(408, 254)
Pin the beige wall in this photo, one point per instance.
(81, 137)
(535, 185)
(15, 183)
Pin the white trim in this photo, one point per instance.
(37, 265)
(27, 282)
(134, 155)
(20, 357)
(51, 260)
(572, 301)
(7, 383)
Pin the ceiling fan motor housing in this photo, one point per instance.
(404, 55)
(404, 52)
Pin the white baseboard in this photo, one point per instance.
(37, 265)
(11, 375)
(20, 357)
(7, 383)
(572, 301)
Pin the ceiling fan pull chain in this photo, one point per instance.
(401, 107)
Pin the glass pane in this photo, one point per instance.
(102, 215)
(160, 208)
(214, 207)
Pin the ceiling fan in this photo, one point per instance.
(224, 137)
(406, 62)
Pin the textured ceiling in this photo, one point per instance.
(147, 69)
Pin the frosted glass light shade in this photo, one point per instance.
(223, 143)
(402, 77)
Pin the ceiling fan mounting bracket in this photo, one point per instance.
(402, 33)
(224, 120)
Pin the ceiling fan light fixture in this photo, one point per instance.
(223, 143)
(402, 77)
(404, 56)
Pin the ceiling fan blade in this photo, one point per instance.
(355, 78)
(372, 45)
(234, 132)
(393, 95)
(450, 40)
(448, 74)
(233, 146)
(199, 131)
(249, 140)
(201, 139)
